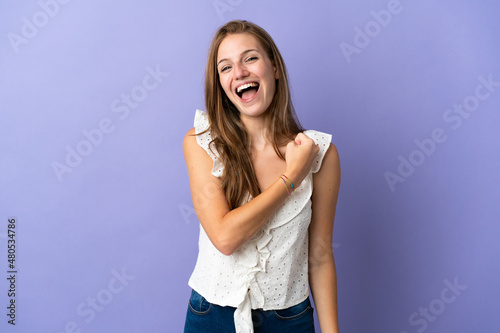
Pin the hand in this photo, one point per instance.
(300, 154)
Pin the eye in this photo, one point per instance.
(224, 68)
(252, 58)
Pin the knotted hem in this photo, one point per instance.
(243, 316)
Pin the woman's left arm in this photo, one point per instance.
(322, 273)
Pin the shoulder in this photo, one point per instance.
(199, 135)
(195, 156)
(326, 185)
(190, 133)
(189, 138)
(331, 159)
(327, 151)
(190, 145)
(329, 170)
(198, 140)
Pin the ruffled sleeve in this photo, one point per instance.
(205, 141)
(323, 140)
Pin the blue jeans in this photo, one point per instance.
(205, 317)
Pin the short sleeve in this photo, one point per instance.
(205, 141)
(323, 140)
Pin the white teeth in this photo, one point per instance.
(245, 86)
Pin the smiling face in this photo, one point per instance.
(246, 74)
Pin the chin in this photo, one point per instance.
(253, 111)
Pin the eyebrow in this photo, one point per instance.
(242, 53)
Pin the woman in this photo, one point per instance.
(264, 192)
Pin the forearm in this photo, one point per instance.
(323, 283)
(240, 224)
(228, 229)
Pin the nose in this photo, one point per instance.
(240, 71)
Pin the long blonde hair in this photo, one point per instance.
(230, 137)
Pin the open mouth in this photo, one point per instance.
(247, 90)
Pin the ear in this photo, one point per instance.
(276, 74)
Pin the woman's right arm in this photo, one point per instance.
(228, 229)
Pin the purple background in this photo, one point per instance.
(125, 208)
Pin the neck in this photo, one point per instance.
(257, 132)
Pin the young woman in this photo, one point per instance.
(265, 193)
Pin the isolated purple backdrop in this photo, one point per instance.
(95, 98)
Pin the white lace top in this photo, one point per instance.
(270, 270)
